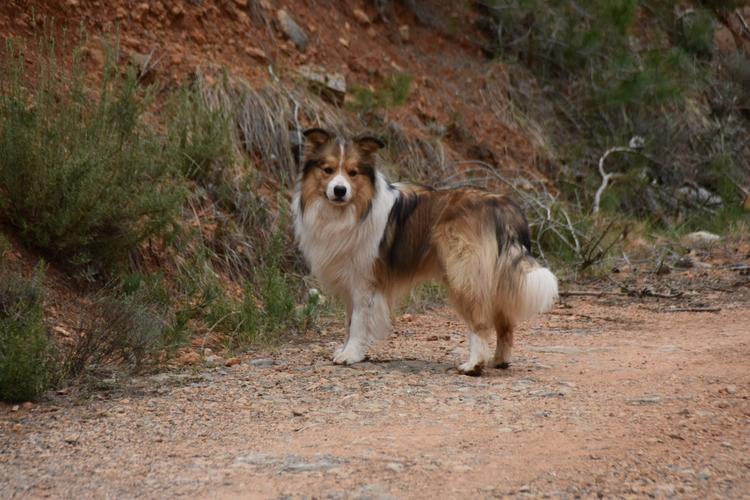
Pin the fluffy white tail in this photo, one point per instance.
(539, 293)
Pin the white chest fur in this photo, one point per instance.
(341, 249)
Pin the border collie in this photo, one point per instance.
(368, 241)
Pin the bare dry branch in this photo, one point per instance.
(693, 309)
(607, 177)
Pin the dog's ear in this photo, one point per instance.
(317, 138)
(368, 144)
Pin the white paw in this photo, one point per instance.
(471, 369)
(348, 356)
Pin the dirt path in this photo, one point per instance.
(612, 400)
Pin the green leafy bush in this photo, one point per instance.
(199, 136)
(82, 175)
(268, 307)
(606, 71)
(393, 92)
(28, 355)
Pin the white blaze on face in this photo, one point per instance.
(339, 188)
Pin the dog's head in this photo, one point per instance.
(342, 172)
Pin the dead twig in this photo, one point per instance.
(607, 177)
(693, 309)
(625, 291)
(648, 293)
(587, 293)
(745, 27)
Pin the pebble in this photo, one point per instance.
(292, 30)
(524, 489)
(403, 32)
(214, 360)
(684, 262)
(256, 53)
(646, 400)
(704, 475)
(541, 393)
(232, 361)
(666, 489)
(263, 362)
(189, 358)
(71, 439)
(395, 466)
(361, 16)
(700, 240)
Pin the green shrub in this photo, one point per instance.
(199, 136)
(275, 289)
(28, 355)
(120, 329)
(697, 32)
(393, 92)
(268, 308)
(82, 176)
(609, 70)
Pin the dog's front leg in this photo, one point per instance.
(369, 322)
(348, 326)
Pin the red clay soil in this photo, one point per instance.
(453, 81)
(623, 395)
(614, 397)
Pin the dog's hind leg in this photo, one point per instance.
(468, 259)
(370, 322)
(504, 332)
(480, 353)
(474, 313)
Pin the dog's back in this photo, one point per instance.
(478, 244)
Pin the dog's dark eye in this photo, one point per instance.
(328, 170)
(352, 173)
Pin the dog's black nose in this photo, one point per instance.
(339, 191)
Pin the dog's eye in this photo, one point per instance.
(328, 170)
(352, 173)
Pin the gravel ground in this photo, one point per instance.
(612, 399)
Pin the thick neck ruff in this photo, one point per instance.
(340, 248)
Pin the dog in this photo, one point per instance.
(368, 241)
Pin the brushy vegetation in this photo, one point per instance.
(392, 92)
(611, 70)
(121, 329)
(191, 184)
(82, 175)
(199, 137)
(29, 362)
(263, 311)
(89, 175)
